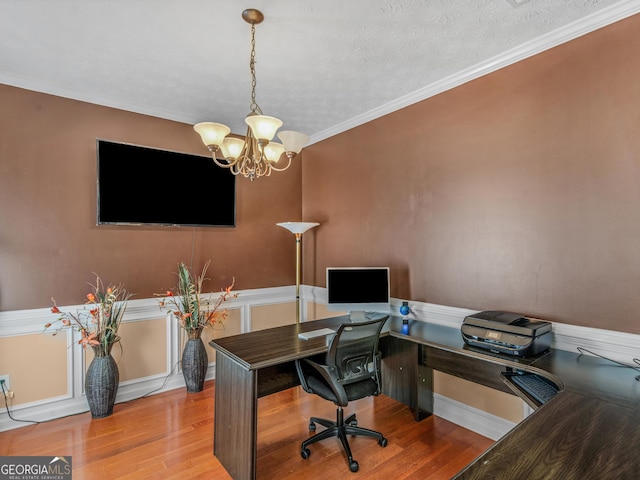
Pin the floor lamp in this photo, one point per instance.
(298, 228)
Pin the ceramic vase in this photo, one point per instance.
(101, 382)
(194, 361)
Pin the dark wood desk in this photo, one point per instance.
(591, 429)
(249, 366)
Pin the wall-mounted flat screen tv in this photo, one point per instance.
(147, 186)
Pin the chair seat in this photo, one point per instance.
(354, 391)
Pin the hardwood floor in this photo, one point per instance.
(170, 436)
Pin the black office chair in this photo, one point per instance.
(351, 371)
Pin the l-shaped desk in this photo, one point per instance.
(590, 429)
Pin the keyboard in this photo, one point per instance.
(535, 386)
(315, 333)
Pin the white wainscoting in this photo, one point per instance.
(619, 346)
(27, 322)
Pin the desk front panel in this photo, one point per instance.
(236, 421)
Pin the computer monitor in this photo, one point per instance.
(358, 290)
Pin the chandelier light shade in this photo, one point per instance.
(231, 148)
(273, 151)
(263, 127)
(293, 141)
(255, 155)
(212, 134)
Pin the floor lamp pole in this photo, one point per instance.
(298, 228)
(298, 268)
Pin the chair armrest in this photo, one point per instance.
(302, 376)
(330, 376)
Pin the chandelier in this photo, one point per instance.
(255, 155)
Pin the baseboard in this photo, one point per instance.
(54, 408)
(471, 418)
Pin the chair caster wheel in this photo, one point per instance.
(305, 452)
(353, 466)
(312, 427)
(383, 442)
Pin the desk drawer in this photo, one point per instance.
(404, 379)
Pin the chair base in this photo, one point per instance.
(340, 428)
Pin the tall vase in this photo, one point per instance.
(194, 361)
(101, 382)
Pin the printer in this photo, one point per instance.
(509, 333)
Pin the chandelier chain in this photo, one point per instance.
(252, 66)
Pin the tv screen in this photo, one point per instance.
(358, 290)
(147, 186)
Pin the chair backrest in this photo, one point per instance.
(354, 351)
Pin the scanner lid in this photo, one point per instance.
(508, 322)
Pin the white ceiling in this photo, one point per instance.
(323, 66)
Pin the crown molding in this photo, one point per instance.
(588, 24)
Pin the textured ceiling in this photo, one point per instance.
(323, 66)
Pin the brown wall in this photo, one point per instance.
(517, 191)
(49, 241)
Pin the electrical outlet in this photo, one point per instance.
(4, 381)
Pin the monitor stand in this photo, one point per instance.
(357, 316)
